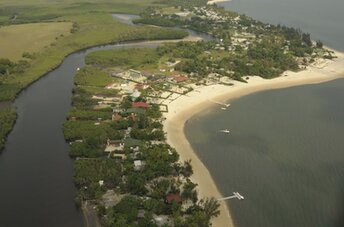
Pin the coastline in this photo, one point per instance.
(184, 107)
(217, 1)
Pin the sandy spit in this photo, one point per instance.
(184, 107)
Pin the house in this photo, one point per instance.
(138, 165)
(117, 110)
(135, 95)
(134, 73)
(173, 197)
(179, 79)
(141, 213)
(140, 105)
(142, 86)
(114, 145)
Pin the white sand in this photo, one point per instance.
(185, 107)
(217, 1)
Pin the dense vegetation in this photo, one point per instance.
(243, 46)
(142, 190)
(7, 119)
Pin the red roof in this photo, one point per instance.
(140, 105)
(179, 79)
(173, 197)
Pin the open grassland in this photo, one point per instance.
(32, 38)
(93, 29)
(42, 10)
(89, 76)
(139, 58)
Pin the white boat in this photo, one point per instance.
(77, 69)
(227, 105)
(223, 108)
(225, 131)
(240, 197)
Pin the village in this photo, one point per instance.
(120, 150)
(123, 163)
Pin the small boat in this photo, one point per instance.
(240, 197)
(77, 69)
(223, 108)
(225, 131)
(227, 105)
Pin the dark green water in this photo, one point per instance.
(285, 155)
(286, 150)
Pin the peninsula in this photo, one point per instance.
(133, 165)
(147, 94)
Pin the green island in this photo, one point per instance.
(123, 165)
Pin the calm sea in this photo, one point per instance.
(285, 153)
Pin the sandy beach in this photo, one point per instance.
(183, 108)
(217, 1)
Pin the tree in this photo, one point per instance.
(125, 212)
(210, 207)
(306, 38)
(319, 44)
(187, 170)
(126, 103)
(189, 191)
(160, 188)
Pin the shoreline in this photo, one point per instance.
(217, 1)
(186, 106)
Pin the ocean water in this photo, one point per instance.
(322, 19)
(285, 152)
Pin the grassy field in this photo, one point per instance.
(32, 38)
(140, 58)
(38, 10)
(89, 76)
(94, 29)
